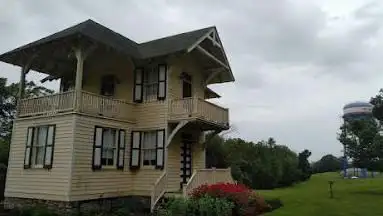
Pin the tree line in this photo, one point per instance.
(261, 165)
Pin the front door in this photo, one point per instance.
(186, 160)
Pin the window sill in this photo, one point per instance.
(37, 167)
(148, 167)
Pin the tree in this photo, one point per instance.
(328, 163)
(362, 141)
(304, 165)
(377, 101)
(8, 98)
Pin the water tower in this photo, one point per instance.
(355, 111)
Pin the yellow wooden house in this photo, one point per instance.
(129, 120)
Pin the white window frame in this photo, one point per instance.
(37, 144)
(152, 84)
(152, 148)
(34, 144)
(112, 147)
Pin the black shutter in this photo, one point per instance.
(138, 85)
(97, 148)
(49, 147)
(121, 150)
(160, 146)
(28, 147)
(161, 90)
(135, 151)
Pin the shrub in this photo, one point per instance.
(205, 205)
(246, 202)
(274, 204)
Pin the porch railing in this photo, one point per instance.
(199, 108)
(88, 103)
(207, 176)
(158, 190)
(46, 105)
(104, 106)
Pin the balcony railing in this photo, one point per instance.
(88, 103)
(46, 105)
(198, 108)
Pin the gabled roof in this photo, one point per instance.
(88, 28)
(98, 33)
(171, 44)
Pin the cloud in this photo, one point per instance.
(295, 63)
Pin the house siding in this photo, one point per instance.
(122, 69)
(188, 65)
(174, 161)
(107, 182)
(41, 183)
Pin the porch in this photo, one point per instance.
(65, 102)
(207, 113)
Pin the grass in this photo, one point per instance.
(351, 197)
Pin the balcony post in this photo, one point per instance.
(79, 75)
(21, 93)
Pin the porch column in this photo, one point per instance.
(20, 95)
(21, 84)
(79, 74)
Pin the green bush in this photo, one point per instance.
(197, 207)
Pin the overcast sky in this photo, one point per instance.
(296, 62)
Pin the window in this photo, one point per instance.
(66, 85)
(149, 144)
(149, 148)
(109, 141)
(150, 83)
(186, 85)
(107, 85)
(108, 148)
(39, 147)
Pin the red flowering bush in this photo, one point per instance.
(237, 193)
(246, 201)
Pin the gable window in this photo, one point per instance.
(108, 148)
(148, 145)
(39, 147)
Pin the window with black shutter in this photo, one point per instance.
(162, 71)
(135, 151)
(138, 85)
(160, 153)
(121, 150)
(39, 147)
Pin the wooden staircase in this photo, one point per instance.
(199, 177)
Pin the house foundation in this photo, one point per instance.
(130, 204)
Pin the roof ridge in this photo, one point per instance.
(90, 21)
(174, 35)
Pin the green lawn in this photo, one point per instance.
(359, 197)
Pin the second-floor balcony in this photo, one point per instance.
(88, 103)
(199, 109)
